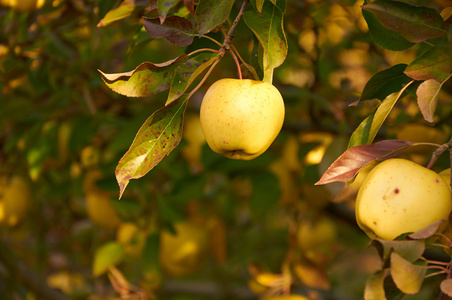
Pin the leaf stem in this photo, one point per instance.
(202, 50)
(213, 40)
(204, 78)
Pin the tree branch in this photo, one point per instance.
(19, 271)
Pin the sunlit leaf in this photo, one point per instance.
(269, 30)
(187, 72)
(415, 23)
(374, 289)
(436, 63)
(312, 276)
(385, 83)
(147, 79)
(409, 250)
(446, 13)
(368, 129)
(427, 98)
(107, 256)
(407, 276)
(123, 11)
(177, 30)
(164, 6)
(259, 5)
(345, 167)
(383, 36)
(157, 137)
(212, 13)
(446, 287)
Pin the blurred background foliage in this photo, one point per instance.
(246, 229)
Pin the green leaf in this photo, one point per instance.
(187, 72)
(157, 137)
(266, 192)
(436, 64)
(414, 23)
(368, 129)
(106, 256)
(177, 30)
(409, 250)
(150, 259)
(383, 36)
(164, 6)
(385, 83)
(212, 13)
(119, 13)
(268, 29)
(147, 79)
(374, 289)
(407, 276)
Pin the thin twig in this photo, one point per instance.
(230, 35)
(22, 273)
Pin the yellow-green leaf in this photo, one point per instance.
(107, 256)
(407, 276)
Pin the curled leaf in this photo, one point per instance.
(147, 79)
(353, 159)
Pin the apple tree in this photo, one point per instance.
(117, 195)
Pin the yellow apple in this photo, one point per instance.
(15, 199)
(100, 210)
(184, 252)
(195, 140)
(400, 196)
(241, 118)
(316, 233)
(132, 237)
(23, 5)
(446, 176)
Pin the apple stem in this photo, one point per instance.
(239, 70)
(228, 37)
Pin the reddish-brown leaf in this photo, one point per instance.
(355, 158)
(175, 29)
(190, 5)
(446, 287)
